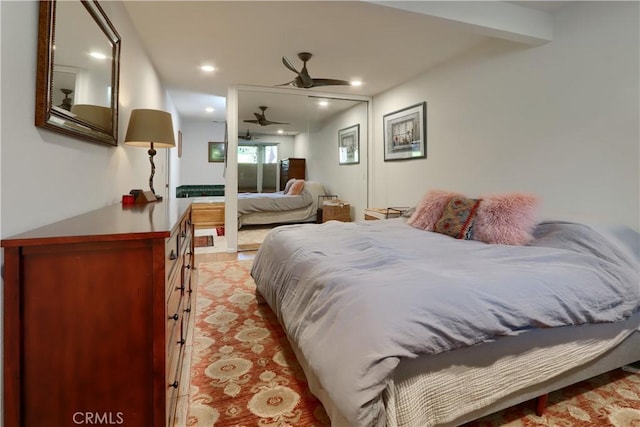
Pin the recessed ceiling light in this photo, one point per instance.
(323, 103)
(356, 83)
(209, 110)
(208, 68)
(98, 55)
(280, 131)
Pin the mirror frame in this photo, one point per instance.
(44, 77)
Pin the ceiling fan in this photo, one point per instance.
(262, 120)
(248, 136)
(303, 80)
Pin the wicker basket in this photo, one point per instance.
(337, 210)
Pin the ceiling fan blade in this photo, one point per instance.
(269, 122)
(305, 79)
(250, 121)
(291, 83)
(330, 82)
(289, 65)
(259, 116)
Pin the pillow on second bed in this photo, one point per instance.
(296, 188)
(288, 185)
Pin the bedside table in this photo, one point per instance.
(337, 210)
(383, 213)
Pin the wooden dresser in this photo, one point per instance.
(291, 168)
(96, 312)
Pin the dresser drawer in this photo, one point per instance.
(173, 382)
(172, 252)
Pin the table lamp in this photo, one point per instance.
(153, 129)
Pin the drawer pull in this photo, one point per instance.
(174, 385)
(187, 310)
(175, 317)
(180, 288)
(184, 234)
(187, 266)
(181, 342)
(173, 255)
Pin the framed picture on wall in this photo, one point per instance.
(216, 152)
(179, 143)
(405, 133)
(349, 145)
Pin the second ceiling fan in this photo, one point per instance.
(262, 120)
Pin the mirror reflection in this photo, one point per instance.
(79, 87)
(298, 128)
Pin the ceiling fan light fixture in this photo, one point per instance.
(303, 80)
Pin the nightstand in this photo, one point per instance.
(337, 210)
(383, 213)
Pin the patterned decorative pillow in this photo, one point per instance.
(296, 187)
(507, 219)
(458, 217)
(288, 185)
(430, 209)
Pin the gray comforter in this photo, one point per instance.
(273, 202)
(357, 297)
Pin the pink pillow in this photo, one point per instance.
(296, 187)
(430, 209)
(506, 219)
(288, 185)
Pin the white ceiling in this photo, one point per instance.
(245, 40)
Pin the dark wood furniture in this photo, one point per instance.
(96, 312)
(291, 168)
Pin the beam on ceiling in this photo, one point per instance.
(489, 18)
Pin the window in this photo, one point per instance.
(257, 168)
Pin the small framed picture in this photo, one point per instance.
(216, 152)
(349, 145)
(405, 133)
(179, 143)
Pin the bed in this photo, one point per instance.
(278, 207)
(395, 326)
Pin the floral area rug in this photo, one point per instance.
(244, 372)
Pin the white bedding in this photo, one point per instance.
(332, 287)
(305, 213)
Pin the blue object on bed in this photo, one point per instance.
(357, 297)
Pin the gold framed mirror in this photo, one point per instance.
(78, 71)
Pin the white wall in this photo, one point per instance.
(48, 176)
(195, 167)
(559, 120)
(349, 182)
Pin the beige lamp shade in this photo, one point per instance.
(150, 126)
(96, 114)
